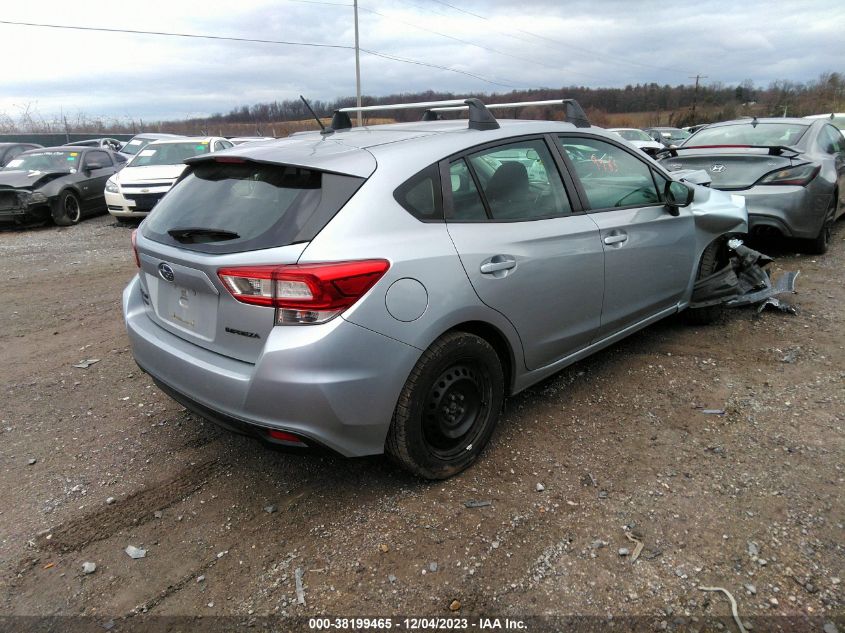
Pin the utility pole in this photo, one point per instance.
(695, 95)
(357, 65)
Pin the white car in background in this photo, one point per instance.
(836, 118)
(638, 139)
(135, 190)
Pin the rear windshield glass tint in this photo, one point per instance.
(235, 207)
(749, 134)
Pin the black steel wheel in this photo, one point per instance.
(66, 209)
(449, 407)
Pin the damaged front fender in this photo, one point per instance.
(743, 281)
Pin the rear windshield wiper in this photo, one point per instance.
(193, 235)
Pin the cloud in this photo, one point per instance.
(513, 45)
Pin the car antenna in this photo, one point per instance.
(754, 122)
(323, 129)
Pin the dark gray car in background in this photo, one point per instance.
(791, 172)
(62, 184)
(9, 151)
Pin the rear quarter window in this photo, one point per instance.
(421, 195)
(262, 205)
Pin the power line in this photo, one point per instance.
(456, 39)
(422, 28)
(419, 63)
(591, 52)
(170, 34)
(255, 41)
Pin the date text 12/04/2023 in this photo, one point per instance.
(416, 623)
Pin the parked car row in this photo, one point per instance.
(68, 183)
(791, 171)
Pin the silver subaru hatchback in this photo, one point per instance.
(383, 289)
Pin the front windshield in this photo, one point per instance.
(135, 145)
(634, 135)
(168, 153)
(45, 162)
(750, 133)
(675, 135)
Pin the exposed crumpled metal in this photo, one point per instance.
(743, 281)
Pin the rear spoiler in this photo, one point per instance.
(773, 150)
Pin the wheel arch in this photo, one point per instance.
(497, 339)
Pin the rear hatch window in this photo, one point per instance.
(232, 207)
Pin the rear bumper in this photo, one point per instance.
(335, 384)
(794, 211)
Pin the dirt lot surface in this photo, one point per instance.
(93, 460)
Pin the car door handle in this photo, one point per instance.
(616, 239)
(497, 263)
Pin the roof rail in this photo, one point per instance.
(573, 113)
(479, 116)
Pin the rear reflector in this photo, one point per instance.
(284, 436)
(135, 247)
(304, 294)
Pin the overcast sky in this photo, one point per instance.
(507, 44)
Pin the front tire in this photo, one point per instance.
(711, 259)
(66, 209)
(448, 408)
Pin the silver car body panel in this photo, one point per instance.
(338, 383)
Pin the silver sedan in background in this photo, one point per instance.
(791, 172)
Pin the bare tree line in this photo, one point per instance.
(640, 104)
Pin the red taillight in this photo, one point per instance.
(798, 175)
(135, 248)
(304, 293)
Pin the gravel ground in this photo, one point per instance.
(95, 459)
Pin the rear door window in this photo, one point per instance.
(514, 182)
(234, 207)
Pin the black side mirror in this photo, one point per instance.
(678, 194)
(92, 166)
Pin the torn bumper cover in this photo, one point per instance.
(20, 205)
(743, 281)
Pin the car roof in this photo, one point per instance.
(352, 151)
(188, 139)
(791, 120)
(825, 116)
(664, 127)
(155, 135)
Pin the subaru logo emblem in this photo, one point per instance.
(145, 190)
(166, 272)
(717, 168)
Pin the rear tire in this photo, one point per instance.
(711, 259)
(448, 408)
(819, 244)
(66, 209)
